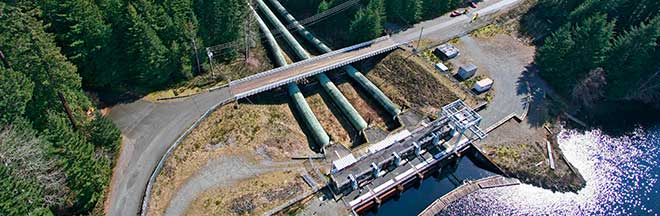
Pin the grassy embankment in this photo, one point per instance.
(253, 196)
(413, 83)
(263, 131)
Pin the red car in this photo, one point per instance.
(473, 5)
(455, 13)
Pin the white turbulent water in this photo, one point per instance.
(621, 174)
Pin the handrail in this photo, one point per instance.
(307, 74)
(307, 61)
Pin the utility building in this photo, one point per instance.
(467, 71)
(446, 51)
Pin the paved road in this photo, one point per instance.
(150, 128)
(445, 27)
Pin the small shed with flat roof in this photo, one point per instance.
(446, 51)
(467, 71)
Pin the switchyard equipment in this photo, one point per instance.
(347, 109)
(373, 90)
(318, 133)
(462, 118)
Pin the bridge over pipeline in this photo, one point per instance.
(277, 77)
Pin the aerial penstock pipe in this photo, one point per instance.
(319, 134)
(337, 97)
(382, 99)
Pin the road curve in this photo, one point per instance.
(148, 130)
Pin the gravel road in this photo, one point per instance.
(222, 172)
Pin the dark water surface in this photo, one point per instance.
(621, 172)
(416, 199)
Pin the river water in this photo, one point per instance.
(621, 173)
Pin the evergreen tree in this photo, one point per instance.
(26, 158)
(367, 23)
(104, 133)
(33, 52)
(634, 12)
(150, 55)
(323, 6)
(404, 11)
(18, 197)
(591, 37)
(556, 11)
(16, 91)
(591, 7)
(224, 21)
(82, 33)
(551, 59)
(434, 8)
(632, 58)
(87, 176)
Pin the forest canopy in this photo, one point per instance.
(601, 50)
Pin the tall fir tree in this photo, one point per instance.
(592, 40)
(551, 58)
(632, 58)
(367, 23)
(83, 34)
(150, 55)
(224, 21)
(17, 92)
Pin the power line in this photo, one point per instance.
(309, 21)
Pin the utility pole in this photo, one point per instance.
(4, 60)
(67, 109)
(199, 69)
(247, 37)
(419, 41)
(209, 53)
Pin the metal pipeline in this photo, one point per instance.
(310, 120)
(391, 108)
(344, 105)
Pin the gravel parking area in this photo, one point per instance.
(506, 61)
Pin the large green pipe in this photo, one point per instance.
(353, 116)
(392, 108)
(319, 134)
(297, 48)
(272, 43)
